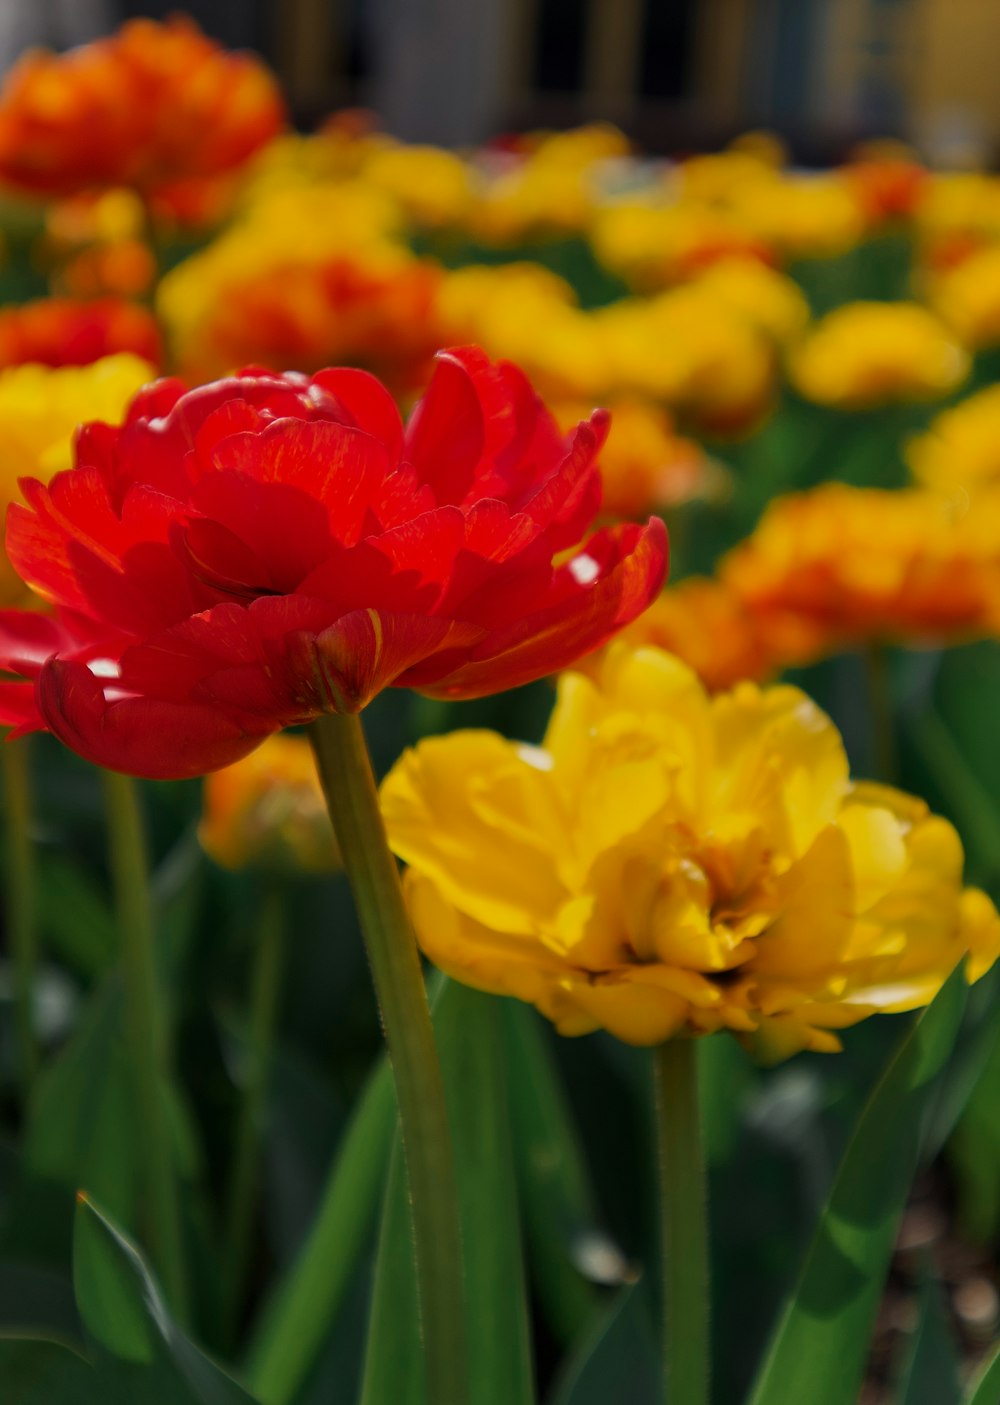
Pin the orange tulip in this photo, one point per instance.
(61, 332)
(707, 626)
(839, 566)
(150, 107)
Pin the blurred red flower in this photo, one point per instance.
(62, 332)
(148, 107)
(266, 548)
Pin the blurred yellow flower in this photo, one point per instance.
(691, 350)
(268, 812)
(967, 298)
(667, 863)
(553, 188)
(769, 300)
(866, 354)
(645, 464)
(432, 187)
(40, 410)
(525, 314)
(958, 213)
(801, 216)
(718, 176)
(292, 162)
(839, 566)
(652, 246)
(960, 452)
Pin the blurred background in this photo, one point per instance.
(676, 74)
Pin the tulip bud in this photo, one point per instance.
(267, 812)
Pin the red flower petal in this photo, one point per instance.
(140, 736)
(368, 404)
(367, 651)
(583, 616)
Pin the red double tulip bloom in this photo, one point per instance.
(250, 554)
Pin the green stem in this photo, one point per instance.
(242, 1192)
(883, 726)
(345, 770)
(146, 1032)
(684, 1214)
(20, 902)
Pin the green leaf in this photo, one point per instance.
(74, 917)
(37, 1372)
(297, 1321)
(36, 1302)
(974, 1152)
(965, 793)
(819, 1348)
(617, 1360)
(469, 1039)
(931, 1372)
(984, 1388)
(139, 1351)
(79, 1133)
(558, 1202)
(394, 1367)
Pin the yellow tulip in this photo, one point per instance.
(668, 863)
(40, 410)
(866, 354)
(960, 452)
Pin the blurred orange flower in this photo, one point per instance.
(268, 812)
(353, 308)
(151, 106)
(645, 465)
(887, 179)
(706, 625)
(839, 566)
(62, 332)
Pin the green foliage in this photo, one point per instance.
(139, 1352)
(470, 1040)
(819, 1348)
(38, 1372)
(930, 1373)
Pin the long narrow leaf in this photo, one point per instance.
(985, 1386)
(818, 1351)
(558, 1202)
(472, 1056)
(930, 1376)
(38, 1372)
(616, 1360)
(394, 1367)
(139, 1352)
(299, 1319)
(467, 1025)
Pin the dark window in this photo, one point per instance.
(559, 55)
(667, 36)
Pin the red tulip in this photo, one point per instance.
(258, 551)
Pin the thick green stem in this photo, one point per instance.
(684, 1215)
(885, 752)
(346, 774)
(146, 1032)
(242, 1191)
(20, 902)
